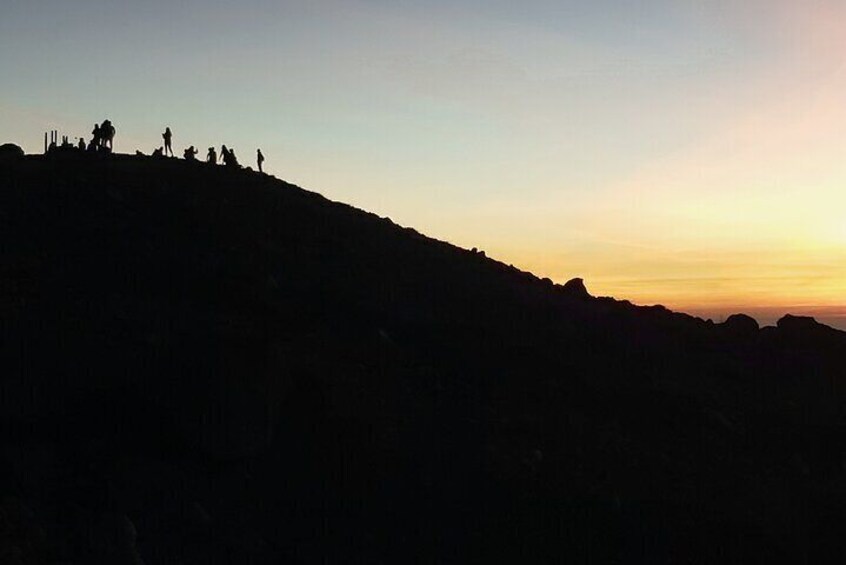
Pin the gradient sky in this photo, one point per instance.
(689, 153)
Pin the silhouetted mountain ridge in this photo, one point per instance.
(212, 365)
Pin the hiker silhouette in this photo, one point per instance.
(228, 156)
(81, 145)
(167, 136)
(96, 134)
(190, 153)
(259, 159)
(107, 134)
(212, 156)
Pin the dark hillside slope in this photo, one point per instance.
(202, 365)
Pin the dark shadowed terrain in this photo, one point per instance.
(202, 365)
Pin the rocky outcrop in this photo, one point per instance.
(741, 324)
(10, 151)
(793, 323)
(576, 288)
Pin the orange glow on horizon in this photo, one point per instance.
(765, 285)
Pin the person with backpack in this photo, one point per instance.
(107, 134)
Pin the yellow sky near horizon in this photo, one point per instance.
(751, 217)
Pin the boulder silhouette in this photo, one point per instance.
(741, 324)
(576, 288)
(10, 151)
(798, 323)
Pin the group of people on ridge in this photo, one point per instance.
(227, 156)
(102, 140)
(103, 135)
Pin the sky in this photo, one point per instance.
(677, 152)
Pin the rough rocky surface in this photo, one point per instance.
(203, 365)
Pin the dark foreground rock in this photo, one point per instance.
(203, 365)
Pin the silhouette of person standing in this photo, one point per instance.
(228, 157)
(259, 159)
(107, 134)
(212, 156)
(95, 135)
(167, 135)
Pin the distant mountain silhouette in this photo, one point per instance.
(202, 364)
